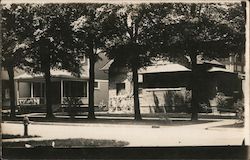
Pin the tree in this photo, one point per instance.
(128, 47)
(194, 29)
(52, 44)
(15, 21)
(91, 29)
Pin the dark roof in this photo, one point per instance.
(99, 73)
(107, 65)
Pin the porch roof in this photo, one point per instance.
(63, 74)
(170, 67)
(218, 69)
(215, 62)
(173, 67)
(164, 68)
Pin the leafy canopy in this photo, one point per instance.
(16, 21)
(52, 43)
(129, 45)
(214, 30)
(92, 28)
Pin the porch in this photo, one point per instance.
(30, 90)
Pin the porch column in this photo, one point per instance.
(31, 90)
(45, 102)
(17, 93)
(87, 92)
(41, 91)
(61, 92)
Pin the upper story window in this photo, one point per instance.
(97, 85)
(240, 59)
(82, 58)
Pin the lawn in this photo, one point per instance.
(162, 122)
(68, 143)
(235, 125)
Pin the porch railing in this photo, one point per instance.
(30, 101)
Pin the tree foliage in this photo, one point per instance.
(52, 43)
(16, 21)
(212, 30)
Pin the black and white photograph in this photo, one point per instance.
(124, 79)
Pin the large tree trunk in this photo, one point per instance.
(12, 92)
(91, 109)
(136, 94)
(195, 90)
(47, 77)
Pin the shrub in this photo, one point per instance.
(101, 107)
(188, 96)
(221, 100)
(239, 107)
(73, 105)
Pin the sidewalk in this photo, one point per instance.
(136, 135)
(109, 120)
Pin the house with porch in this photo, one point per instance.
(30, 88)
(166, 86)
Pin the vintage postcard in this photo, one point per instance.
(124, 74)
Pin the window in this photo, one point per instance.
(7, 93)
(82, 58)
(78, 89)
(239, 58)
(120, 88)
(38, 89)
(66, 89)
(75, 89)
(97, 85)
(24, 89)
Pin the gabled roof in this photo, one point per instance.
(107, 65)
(214, 63)
(99, 73)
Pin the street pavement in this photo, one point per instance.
(205, 134)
